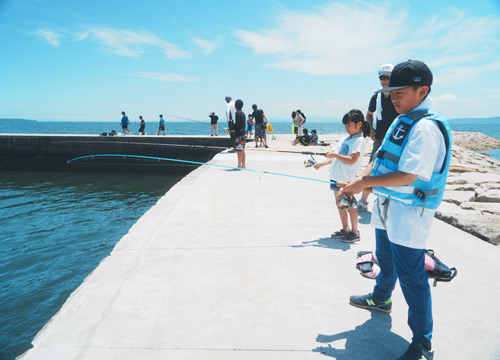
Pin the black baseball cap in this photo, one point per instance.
(409, 73)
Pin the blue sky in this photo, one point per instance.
(89, 60)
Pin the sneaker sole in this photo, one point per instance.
(369, 308)
(349, 240)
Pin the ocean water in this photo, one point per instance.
(57, 227)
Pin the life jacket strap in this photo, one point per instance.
(382, 154)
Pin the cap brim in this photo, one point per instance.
(388, 89)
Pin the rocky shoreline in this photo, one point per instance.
(472, 198)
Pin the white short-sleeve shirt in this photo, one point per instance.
(340, 171)
(423, 155)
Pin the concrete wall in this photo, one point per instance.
(51, 152)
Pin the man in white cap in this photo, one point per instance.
(230, 117)
(381, 106)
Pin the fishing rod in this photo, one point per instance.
(198, 147)
(159, 159)
(198, 121)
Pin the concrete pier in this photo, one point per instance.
(51, 152)
(240, 265)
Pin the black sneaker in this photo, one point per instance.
(417, 352)
(371, 302)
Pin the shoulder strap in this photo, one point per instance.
(417, 115)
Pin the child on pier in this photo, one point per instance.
(239, 133)
(345, 161)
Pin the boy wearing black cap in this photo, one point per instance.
(408, 176)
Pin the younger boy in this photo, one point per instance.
(408, 176)
(239, 133)
(314, 138)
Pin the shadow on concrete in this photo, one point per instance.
(371, 340)
(326, 242)
(365, 217)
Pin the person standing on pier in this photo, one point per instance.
(260, 126)
(162, 125)
(409, 177)
(230, 117)
(213, 123)
(125, 123)
(381, 113)
(142, 127)
(239, 133)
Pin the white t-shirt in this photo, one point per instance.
(230, 110)
(423, 155)
(340, 171)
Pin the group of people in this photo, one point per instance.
(257, 118)
(125, 122)
(407, 172)
(240, 128)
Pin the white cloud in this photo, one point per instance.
(49, 36)
(455, 106)
(339, 39)
(167, 77)
(121, 42)
(132, 43)
(207, 46)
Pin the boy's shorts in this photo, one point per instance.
(333, 186)
(239, 142)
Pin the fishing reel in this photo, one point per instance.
(310, 162)
(345, 202)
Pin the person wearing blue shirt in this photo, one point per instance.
(125, 123)
(162, 125)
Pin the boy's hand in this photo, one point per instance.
(354, 186)
(317, 166)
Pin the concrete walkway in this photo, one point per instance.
(240, 265)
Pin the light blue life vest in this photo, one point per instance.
(425, 194)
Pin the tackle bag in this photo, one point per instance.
(367, 264)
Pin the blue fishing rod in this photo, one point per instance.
(159, 159)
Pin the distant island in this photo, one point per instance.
(19, 120)
(491, 120)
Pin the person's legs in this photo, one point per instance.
(414, 281)
(386, 279)
(243, 159)
(344, 217)
(353, 215)
(238, 152)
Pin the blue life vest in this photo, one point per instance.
(425, 194)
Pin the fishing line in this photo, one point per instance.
(158, 159)
(198, 147)
(198, 121)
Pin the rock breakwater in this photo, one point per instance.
(472, 198)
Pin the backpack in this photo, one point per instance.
(367, 264)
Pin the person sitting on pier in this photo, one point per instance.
(314, 138)
(304, 139)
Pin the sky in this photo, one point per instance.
(89, 60)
